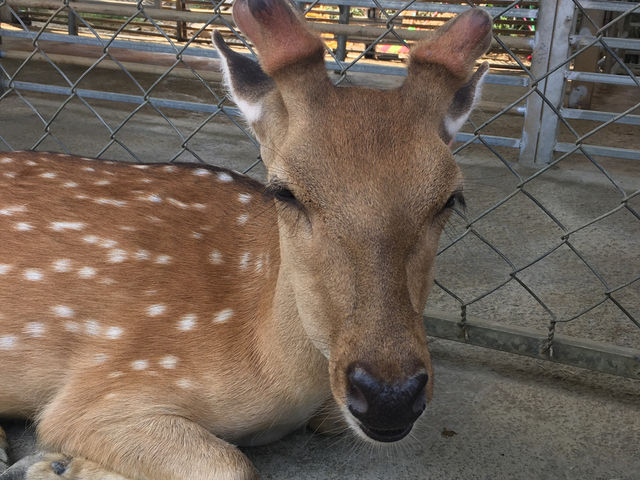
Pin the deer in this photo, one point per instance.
(157, 317)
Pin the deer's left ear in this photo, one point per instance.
(464, 101)
(248, 85)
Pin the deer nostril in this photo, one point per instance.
(419, 398)
(361, 385)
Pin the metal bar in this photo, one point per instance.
(488, 139)
(608, 6)
(511, 80)
(613, 42)
(431, 7)
(105, 8)
(341, 50)
(601, 151)
(600, 78)
(551, 49)
(120, 97)
(72, 24)
(599, 116)
(601, 357)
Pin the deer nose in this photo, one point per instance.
(385, 411)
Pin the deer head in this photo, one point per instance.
(363, 182)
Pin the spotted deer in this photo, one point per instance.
(154, 317)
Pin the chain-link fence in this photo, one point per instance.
(544, 263)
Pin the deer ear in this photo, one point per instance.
(464, 101)
(248, 85)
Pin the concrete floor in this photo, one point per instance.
(493, 415)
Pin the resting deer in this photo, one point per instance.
(153, 317)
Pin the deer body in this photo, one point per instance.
(214, 270)
(155, 316)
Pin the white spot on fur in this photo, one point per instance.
(242, 219)
(4, 268)
(187, 322)
(244, 260)
(140, 167)
(62, 226)
(140, 365)
(201, 172)
(63, 311)
(184, 383)
(10, 174)
(87, 272)
(155, 310)
(142, 255)
(115, 374)
(107, 243)
(117, 255)
(33, 274)
(177, 203)
(110, 201)
(73, 327)
(34, 329)
(244, 198)
(101, 183)
(199, 206)
(146, 180)
(91, 327)
(223, 315)
(114, 332)
(163, 259)
(169, 362)
(48, 175)
(70, 185)
(100, 358)
(225, 177)
(7, 342)
(82, 197)
(88, 169)
(215, 257)
(31, 163)
(23, 227)
(196, 235)
(6, 160)
(62, 265)
(9, 211)
(152, 197)
(169, 169)
(127, 228)
(90, 239)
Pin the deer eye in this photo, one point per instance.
(455, 199)
(284, 195)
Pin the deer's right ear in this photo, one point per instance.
(247, 83)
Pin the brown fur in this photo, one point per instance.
(285, 297)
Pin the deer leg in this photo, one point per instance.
(140, 445)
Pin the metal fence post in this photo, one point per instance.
(551, 48)
(341, 50)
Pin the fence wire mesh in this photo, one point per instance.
(550, 240)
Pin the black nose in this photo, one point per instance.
(386, 410)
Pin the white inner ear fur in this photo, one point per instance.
(250, 111)
(453, 124)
